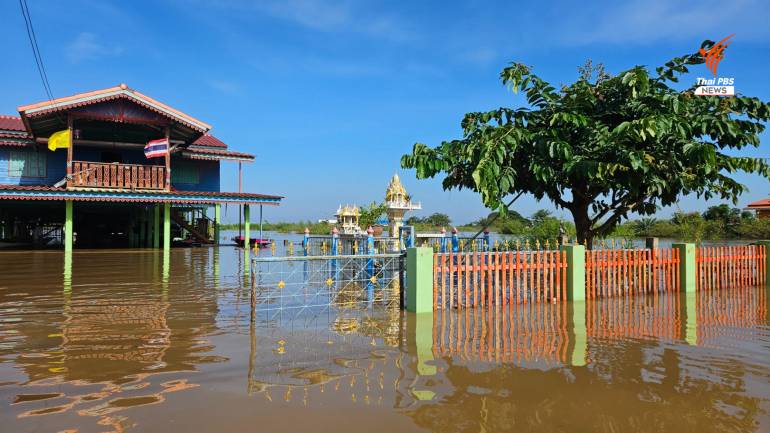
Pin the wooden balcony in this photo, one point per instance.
(86, 174)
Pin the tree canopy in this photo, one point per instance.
(603, 146)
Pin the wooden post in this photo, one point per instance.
(217, 215)
(68, 227)
(651, 243)
(156, 226)
(166, 227)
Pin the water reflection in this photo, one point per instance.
(126, 339)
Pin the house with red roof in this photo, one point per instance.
(104, 188)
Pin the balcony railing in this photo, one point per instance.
(86, 174)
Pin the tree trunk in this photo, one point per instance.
(585, 234)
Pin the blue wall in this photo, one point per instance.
(208, 175)
(56, 167)
(56, 163)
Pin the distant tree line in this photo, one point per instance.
(717, 222)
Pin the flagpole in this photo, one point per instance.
(69, 148)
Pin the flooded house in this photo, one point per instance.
(113, 168)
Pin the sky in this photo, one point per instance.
(329, 94)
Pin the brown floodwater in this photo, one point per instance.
(118, 342)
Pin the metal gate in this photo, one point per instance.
(318, 284)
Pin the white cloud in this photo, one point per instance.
(86, 46)
(644, 21)
(225, 86)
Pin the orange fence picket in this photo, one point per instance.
(631, 272)
(484, 279)
(730, 266)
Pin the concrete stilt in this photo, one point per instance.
(166, 227)
(246, 238)
(217, 219)
(142, 228)
(68, 227)
(246, 226)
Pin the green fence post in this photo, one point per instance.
(686, 267)
(576, 272)
(419, 280)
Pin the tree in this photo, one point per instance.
(370, 214)
(724, 214)
(603, 146)
(437, 220)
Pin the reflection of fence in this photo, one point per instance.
(729, 317)
(730, 266)
(484, 279)
(620, 272)
(515, 333)
(318, 282)
(635, 317)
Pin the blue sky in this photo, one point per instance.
(329, 94)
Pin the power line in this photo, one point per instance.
(35, 48)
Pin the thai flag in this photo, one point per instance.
(156, 148)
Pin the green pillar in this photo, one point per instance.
(156, 226)
(419, 280)
(246, 226)
(68, 227)
(166, 227)
(217, 215)
(686, 267)
(576, 272)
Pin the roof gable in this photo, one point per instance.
(111, 93)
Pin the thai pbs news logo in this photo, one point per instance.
(716, 86)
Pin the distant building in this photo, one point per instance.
(399, 202)
(347, 220)
(761, 207)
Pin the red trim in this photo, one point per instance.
(245, 195)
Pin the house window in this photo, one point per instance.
(185, 173)
(27, 163)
